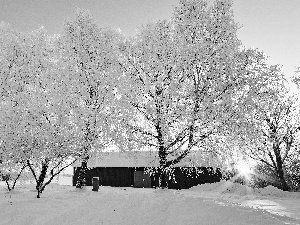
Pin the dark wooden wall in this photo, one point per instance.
(194, 176)
(108, 176)
(127, 177)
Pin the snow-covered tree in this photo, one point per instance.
(12, 162)
(37, 128)
(87, 62)
(50, 136)
(14, 76)
(270, 128)
(180, 80)
(12, 58)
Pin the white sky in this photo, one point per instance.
(270, 25)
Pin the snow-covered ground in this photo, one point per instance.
(219, 203)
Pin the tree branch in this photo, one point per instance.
(138, 129)
(32, 170)
(179, 138)
(15, 181)
(187, 151)
(55, 174)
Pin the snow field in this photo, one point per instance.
(61, 204)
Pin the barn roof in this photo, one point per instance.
(137, 159)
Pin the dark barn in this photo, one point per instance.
(115, 170)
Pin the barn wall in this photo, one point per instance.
(185, 179)
(126, 177)
(108, 176)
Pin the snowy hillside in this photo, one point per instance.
(219, 203)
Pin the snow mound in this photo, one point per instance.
(228, 187)
(273, 191)
(235, 188)
(208, 186)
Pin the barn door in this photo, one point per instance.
(138, 179)
(141, 180)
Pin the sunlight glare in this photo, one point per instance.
(244, 169)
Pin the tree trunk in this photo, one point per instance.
(162, 157)
(81, 181)
(8, 186)
(163, 178)
(280, 175)
(40, 182)
(279, 170)
(163, 182)
(283, 183)
(39, 192)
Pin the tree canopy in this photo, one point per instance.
(181, 86)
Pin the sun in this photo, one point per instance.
(244, 169)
